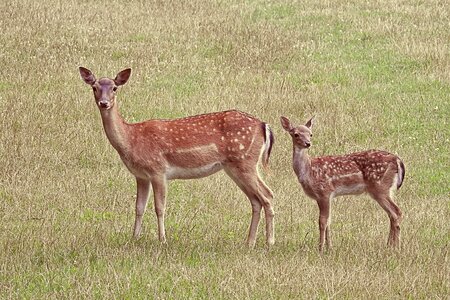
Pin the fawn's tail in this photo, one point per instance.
(401, 173)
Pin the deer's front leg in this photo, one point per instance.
(328, 235)
(324, 207)
(159, 190)
(143, 188)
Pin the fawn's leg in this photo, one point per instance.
(395, 216)
(324, 213)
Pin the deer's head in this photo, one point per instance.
(301, 135)
(105, 88)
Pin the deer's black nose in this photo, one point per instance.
(103, 103)
(307, 144)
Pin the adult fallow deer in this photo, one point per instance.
(156, 151)
(375, 172)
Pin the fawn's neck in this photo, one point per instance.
(115, 128)
(301, 164)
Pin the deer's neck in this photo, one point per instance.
(302, 164)
(115, 128)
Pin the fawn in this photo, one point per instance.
(375, 172)
(157, 151)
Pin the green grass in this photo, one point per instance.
(375, 75)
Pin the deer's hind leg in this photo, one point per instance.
(259, 195)
(395, 215)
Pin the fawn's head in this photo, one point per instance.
(105, 88)
(301, 135)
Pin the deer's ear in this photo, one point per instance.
(286, 123)
(87, 76)
(310, 123)
(122, 77)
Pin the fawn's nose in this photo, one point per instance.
(307, 144)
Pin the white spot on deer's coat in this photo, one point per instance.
(222, 138)
(241, 147)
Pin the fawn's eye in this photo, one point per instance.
(115, 88)
(310, 135)
(296, 135)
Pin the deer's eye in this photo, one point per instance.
(296, 135)
(310, 135)
(114, 88)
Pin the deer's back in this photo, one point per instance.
(351, 173)
(195, 141)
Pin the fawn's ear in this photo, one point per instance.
(286, 123)
(122, 77)
(310, 123)
(87, 76)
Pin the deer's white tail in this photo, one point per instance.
(268, 143)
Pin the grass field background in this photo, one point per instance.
(376, 74)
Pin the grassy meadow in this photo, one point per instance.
(376, 74)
